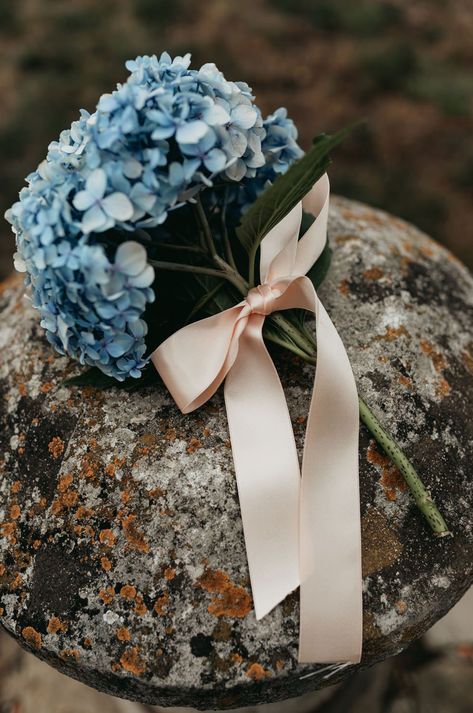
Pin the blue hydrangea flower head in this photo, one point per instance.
(160, 137)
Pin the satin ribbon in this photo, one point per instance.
(298, 530)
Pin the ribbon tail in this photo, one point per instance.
(331, 588)
(267, 470)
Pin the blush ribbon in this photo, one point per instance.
(301, 529)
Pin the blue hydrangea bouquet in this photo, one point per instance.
(137, 223)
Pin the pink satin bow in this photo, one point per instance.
(298, 530)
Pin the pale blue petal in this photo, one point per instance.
(215, 160)
(244, 116)
(192, 132)
(216, 115)
(118, 206)
(83, 200)
(93, 219)
(131, 258)
(144, 279)
(120, 344)
(96, 183)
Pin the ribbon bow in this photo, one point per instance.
(298, 530)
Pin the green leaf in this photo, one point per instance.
(279, 199)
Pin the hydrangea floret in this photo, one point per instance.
(164, 135)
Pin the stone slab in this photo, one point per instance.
(122, 559)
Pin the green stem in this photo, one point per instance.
(204, 224)
(180, 267)
(295, 334)
(225, 236)
(289, 345)
(421, 495)
(307, 350)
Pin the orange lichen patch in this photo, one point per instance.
(128, 591)
(392, 333)
(132, 662)
(8, 529)
(17, 582)
(140, 606)
(230, 600)
(46, 388)
(236, 658)
(465, 651)
(70, 654)
(347, 237)
(67, 500)
(380, 545)
(83, 513)
(194, 445)
(133, 535)
(344, 287)
(426, 251)
(443, 388)
(123, 634)
(279, 665)
(111, 468)
(373, 273)
(107, 537)
(438, 360)
(88, 642)
(106, 564)
(55, 625)
(170, 434)
(107, 595)
(15, 512)
(169, 573)
(400, 606)
(156, 493)
(2, 570)
(56, 447)
(90, 467)
(64, 482)
(391, 478)
(125, 497)
(70, 499)
(22, 390)
(256, 672)
(467, 358)
(405, 381)
(32, 637)
(16, 487)
(87, 530)
(161, 603)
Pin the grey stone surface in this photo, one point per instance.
(121, 547)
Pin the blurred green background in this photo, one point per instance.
(403, 65)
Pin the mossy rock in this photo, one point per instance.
(121, 546)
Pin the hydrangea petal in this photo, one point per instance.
(131, 258)
(83, 200)
(93, 219)
(191, 132)
(96, 183)
(244, 116)
(118, 206)
(120, 344)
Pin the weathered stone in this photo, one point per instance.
(121, 546)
